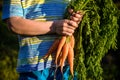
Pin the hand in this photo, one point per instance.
(63, 27)
(76, 16)
(67, 27)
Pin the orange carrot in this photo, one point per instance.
(71, 58)
(59, 59)
(72, 41)
(61, 43)
(52, 48)
(64, 54)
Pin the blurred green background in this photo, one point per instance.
(9, 48)
(8, 52)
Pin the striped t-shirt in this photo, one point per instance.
(32, 49)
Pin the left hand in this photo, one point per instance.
(75, 16)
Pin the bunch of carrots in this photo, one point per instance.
(64, 48)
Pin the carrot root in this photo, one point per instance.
(71, 59)
(72, 41)
(64, 48)
(62, 42)
(64, 54)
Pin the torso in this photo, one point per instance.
(32, 49)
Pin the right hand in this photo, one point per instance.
(66, 26)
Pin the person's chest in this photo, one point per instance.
(44, 9)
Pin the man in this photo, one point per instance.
(38, 23)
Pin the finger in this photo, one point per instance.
(78, 15)
(73, 24)
(77, 18)
(74, 18)
(68, 30)
(67, 33)
(68, 24)
(70, 10)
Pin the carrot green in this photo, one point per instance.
(95, 35)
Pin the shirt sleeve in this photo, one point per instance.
(12, 8)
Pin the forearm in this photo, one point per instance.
(30, 27)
